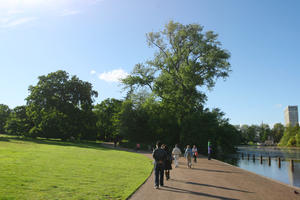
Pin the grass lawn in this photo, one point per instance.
(49, 169)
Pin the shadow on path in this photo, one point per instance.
(214, 186)
(210, 170)
(178, 190)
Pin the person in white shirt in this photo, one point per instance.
(176, 153)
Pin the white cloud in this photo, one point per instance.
(13, 4)
(113, 76)
(9, 23)
(93, 72)
(70, 12)
(278, 105)
(14, 12)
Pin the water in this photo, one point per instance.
(284, 174)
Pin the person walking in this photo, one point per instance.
(168, 162)
(209, 150)
(160, 157)
(188, 155)
(195, 153)
(176, 152)
(138, 146)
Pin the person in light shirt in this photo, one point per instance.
(176, 154)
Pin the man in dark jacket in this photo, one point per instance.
(160, 157)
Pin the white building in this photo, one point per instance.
(291, 115)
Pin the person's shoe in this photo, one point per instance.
(156, 187)
(162, 185)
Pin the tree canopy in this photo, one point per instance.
(4, 113)
(186, 59)
(61, 106)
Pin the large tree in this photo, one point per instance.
(4, 114)
(18, 122)
(277, 132)
(187, 60)
(61, 107)
(107, 118)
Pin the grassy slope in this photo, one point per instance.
(56, 170)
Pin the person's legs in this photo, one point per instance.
(166, 174)
(176, 157)
(189, 161)
(161, 174)
(156, 173)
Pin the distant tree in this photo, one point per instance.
(277, 132)
(291, 136)
(61, 106)
(18, 122)
(107, 115)
(4, 114)
(264, 132)
(244, 133)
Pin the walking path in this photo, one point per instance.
(213, 179)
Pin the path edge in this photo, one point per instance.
(141, 184)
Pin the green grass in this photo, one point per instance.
(47, 169)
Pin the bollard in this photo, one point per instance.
(261, 159)
(253, 157)
(292, 165)
(248, 156)
(279, 162)
(269, 161)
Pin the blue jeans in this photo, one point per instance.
(159, 174)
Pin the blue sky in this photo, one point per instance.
(99, 40)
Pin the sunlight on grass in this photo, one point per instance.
(45, 170)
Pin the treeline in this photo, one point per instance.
(164, 101)
(261, 133)
(291, 136)
(279, 134)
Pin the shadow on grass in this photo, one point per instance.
(57, 142)
(5, 139)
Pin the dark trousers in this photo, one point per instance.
(209, 156)
(195, 158)
(159, 174)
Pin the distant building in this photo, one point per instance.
(291, 115)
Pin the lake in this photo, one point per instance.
(284, 173)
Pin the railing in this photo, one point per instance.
(268, 158)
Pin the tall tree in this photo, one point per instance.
(107, 114)
(186, 59)
(18, 122)
(4, 114)
(61, 106)
(277, 132)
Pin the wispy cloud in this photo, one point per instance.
(92, 72)
(9, 22)
(69, 12)
(113, 76)
(14, 12)
(278, 105)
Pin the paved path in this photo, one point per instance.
(212, 179)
